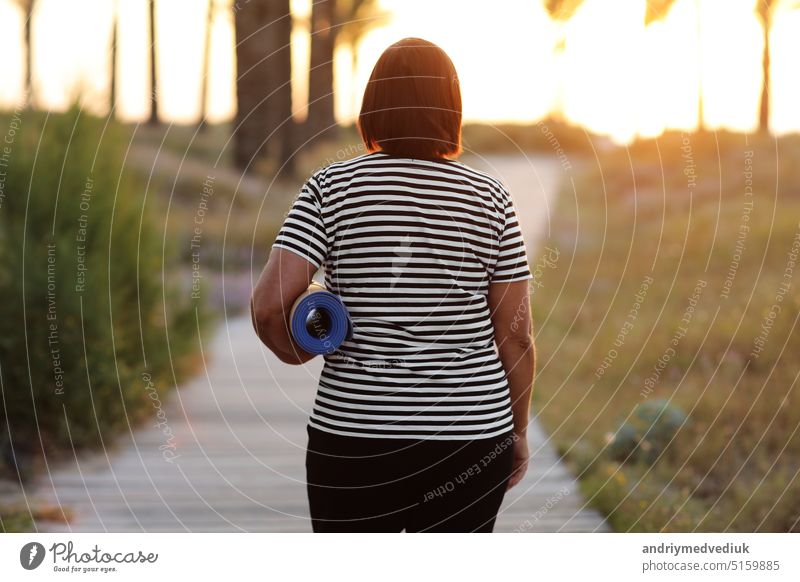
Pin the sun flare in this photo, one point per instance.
(603, 69)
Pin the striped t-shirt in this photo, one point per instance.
(411, 247)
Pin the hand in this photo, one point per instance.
(521, 457)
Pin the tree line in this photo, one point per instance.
(264, 125)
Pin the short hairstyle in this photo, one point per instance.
(412, 103)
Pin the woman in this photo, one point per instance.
(420, 418)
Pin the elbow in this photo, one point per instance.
(294, 359)
(286, 358)
(269, 319)
(263, 315)
(517, 342)
(523, 342)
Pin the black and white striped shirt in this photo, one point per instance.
(410, 246)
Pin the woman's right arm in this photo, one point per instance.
(513, 331)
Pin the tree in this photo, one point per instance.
(562, 10)
(355, 19)
(153, 64)
(264, 124)
(765, 10)
(206, 65)
(657, 10)
(321, 117)
(342, 22)
(112, 91)
(27, 7)
(280, 117)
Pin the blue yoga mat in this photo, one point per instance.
(319, 321)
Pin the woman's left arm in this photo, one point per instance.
(283, 279)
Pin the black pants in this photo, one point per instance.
(360, 484)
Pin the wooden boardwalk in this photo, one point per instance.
(230, 453)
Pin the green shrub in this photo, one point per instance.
(87, 315)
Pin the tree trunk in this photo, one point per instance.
(264, 124)
(356, 98)
(321, 119)
(281, 113)
(112, 91)
(153, 65)
(29, 53)
(202, 124)
(763, 116)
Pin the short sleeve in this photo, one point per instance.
(303, 230)
(512, 258)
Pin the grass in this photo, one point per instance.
(207, 145)
(17, 517)
(674, 212)
(81, 264)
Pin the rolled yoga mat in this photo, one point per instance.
(319, 320)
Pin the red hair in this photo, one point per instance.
(412, 103)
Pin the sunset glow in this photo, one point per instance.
(615, 76)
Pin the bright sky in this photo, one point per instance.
(615, 76)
